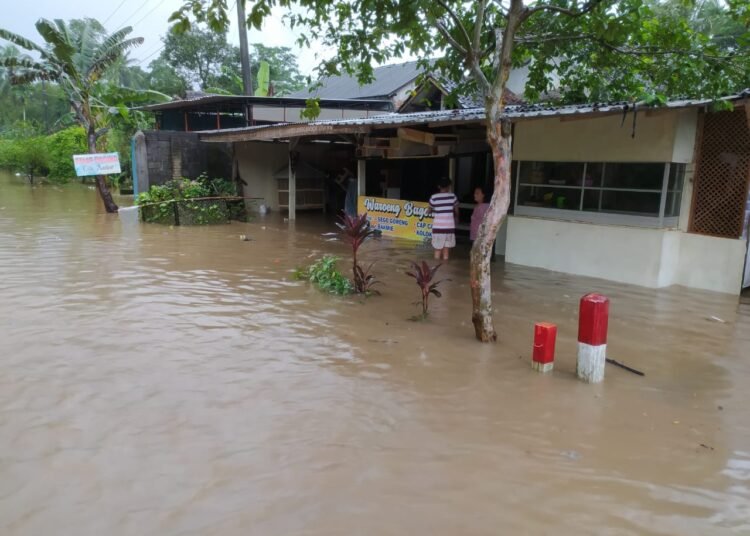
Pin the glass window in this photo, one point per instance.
(637, 203)
(634, 176)
(633, 189)
(552, 173)
(549, 197)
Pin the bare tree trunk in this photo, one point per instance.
(101, 184)
(499, 139)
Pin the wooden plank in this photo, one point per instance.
(416, 136)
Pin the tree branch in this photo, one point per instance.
(477, 43)
(448, 37)
(587, 7)
(456, 20)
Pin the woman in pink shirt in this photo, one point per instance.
(480, 209)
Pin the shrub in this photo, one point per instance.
(61, 146)
(356, 231)
(326, 276)
(159, 202)
(424, 275)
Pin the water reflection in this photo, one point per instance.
(158, 380)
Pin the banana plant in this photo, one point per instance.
(76, 60)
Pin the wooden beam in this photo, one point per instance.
(283, 132)
(417, 136)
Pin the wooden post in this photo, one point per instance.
(292, 204)
(452, 172)
(185, 119)
(593, 319)
(361, 177)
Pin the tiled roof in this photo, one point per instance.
(388, 79)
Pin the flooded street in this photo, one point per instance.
(178, 381)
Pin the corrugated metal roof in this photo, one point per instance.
(470, 115)
(205, 100)
(388, 79)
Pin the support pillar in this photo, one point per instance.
(593, 319)
(140, 164)
(292, 204)
(452, 172)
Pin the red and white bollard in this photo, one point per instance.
(592, 337)
(543, 358)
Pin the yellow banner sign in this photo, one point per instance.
(397, 217)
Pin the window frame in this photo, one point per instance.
(608, 218)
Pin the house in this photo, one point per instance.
(648, 196)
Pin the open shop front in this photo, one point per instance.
(397, 191)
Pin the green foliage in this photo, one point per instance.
(326, 276)
(196, 55)
(590, 50)
(423, 276)
(26, 155)
(61, 147)
(186, 195)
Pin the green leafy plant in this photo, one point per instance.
(356, 230)
(424, 275)
(326, 276)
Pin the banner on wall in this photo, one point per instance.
(96, 164)
(397, 217)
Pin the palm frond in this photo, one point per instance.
(20, 41)
(109, 55)
(21, 62)
(56, 35)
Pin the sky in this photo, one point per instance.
(149, 20)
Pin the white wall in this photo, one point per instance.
(710, 263)
(647, 257)
(257, 162)
(659, 137)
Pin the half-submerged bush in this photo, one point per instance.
(424, 275)
(326, 276)
(356, 231)
(191, 202)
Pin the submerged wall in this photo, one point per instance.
(647, 257)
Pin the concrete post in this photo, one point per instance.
(140, 164)
(543, 359)
(593, 318)
(452, 172)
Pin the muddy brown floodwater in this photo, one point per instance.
(158, 380)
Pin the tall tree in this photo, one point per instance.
(285, 75)
(197, 55)
(613, 49)
(76, 60)
(165, 78)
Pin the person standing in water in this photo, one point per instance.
(480, 209)
(477, 216)
(444, 208)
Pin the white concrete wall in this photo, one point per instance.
(647, 257)
(623, 254)
(257, 162)
(710, 263)
(659, 137)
